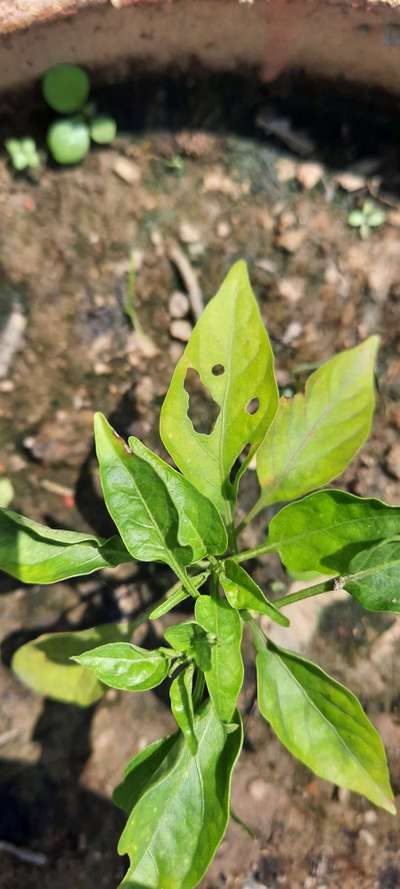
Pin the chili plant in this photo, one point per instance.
(176, 792)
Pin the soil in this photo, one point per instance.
(191, 174)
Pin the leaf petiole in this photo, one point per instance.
(327, 586)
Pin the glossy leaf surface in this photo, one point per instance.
(315, 436)
(322, 724)
(179, 821)
(33, 553)
(230, 350)
(224, 677)
(374, 577)
(138, 502)
(182, 705)
(325, 530)
(45, 664)
(200, 525)
(140, 772)
(125, 666)
(243, 593)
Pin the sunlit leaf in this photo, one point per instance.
(230, 350)
(200, 525)
(325, 530)
(33, 553)
(316, 435)
(243, 593)
(140, 772)
(224, 677)
(191, 639)
(45, 664)
(182, 705)
(322, 724)
(179, 821)
(374, 577)
(125, 666)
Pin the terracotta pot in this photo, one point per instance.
(356, 40)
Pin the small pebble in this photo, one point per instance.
(181, 330)
(178, 305)
(309, 174)
(393, 460)
(223, 229)
(292, 332)
(188, 233)
(126, 170)
(258, 789)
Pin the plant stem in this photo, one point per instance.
(254, 553)
(325, 587)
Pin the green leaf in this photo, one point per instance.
(322, 724)
(45, 664)
(138, 501)
(140, 772)
(315, 436)
(68, 140)
(182, 705)
(224, 677)
(66, 88)
(191, 639)
(324, 531)
(103, 129)
(356, 218)
(243, 593)
(200, 525)
(179, 821)
(125, 666)
(230, 350)
(33, 553)
(374, 577)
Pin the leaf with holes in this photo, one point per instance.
(125, 666)
(182, 705)
(230, 350)
(34, 553)
(316, 435)
(325, 530)
(224, 677)
(243, 593)
(45, 664)
(322, 724)
(374, 577)
(180, 819)
(200, 525)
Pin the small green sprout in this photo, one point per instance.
(369, 216)
(66, 89)
(103, 129)
(23, 154)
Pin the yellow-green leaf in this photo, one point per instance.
(230, 350)
(316, 435)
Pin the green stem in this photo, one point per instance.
(325, 587)
(254, 553)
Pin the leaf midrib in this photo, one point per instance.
(305, 694)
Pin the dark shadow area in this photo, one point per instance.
(337, 123)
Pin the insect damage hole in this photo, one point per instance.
(203, 410)
(253, 406)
